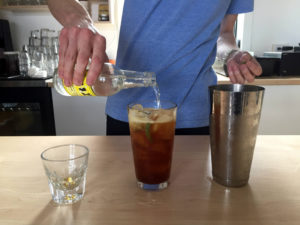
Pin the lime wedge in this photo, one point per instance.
(147, 131)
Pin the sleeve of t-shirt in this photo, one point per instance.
(240, 6)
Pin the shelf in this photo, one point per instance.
(25, 8)
(44, 8)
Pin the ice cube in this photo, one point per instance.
(138, 107)
(154, 115)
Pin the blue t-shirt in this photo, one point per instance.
(177, 41)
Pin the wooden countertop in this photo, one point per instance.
(112, 197)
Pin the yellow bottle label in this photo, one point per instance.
(82, 90)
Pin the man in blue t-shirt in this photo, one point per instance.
(178, 40)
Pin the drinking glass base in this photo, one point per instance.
(153, 187)
(61, 196)
(67, 199)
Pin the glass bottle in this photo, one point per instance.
(110, 81)
(24, 61)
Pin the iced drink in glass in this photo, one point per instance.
(152, 132)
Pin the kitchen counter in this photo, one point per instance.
(112, 197)
(265, 80)
(24, 82)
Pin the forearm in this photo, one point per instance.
(226, 43)
(69, 13)
(240, 66)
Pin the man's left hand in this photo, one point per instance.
(242, 67)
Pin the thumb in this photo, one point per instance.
(245, 58)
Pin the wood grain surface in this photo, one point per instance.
(112, 196)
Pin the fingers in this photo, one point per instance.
(249, 77)
(77, 45)
(84, 52)
(98, 58)
(63, 44)
(231, 74)
(243, 67)
(254, 67)
(244, 58)
(70, 56)
(235, 74)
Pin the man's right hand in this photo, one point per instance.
(77, 47)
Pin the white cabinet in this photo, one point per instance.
(281, 110)
(79, 115)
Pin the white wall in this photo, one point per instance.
(272, 22)
(281, 110)
(275, 22)
(79, 115)
(22, 22)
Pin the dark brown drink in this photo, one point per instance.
(152, 137)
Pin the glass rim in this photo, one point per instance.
(172, 106)
(236, 88)
(64, 160)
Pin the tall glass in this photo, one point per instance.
(65, 167)
(152, 132)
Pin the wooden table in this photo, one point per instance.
(112, 197)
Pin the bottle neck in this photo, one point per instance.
(130, 79)
(132, 82)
